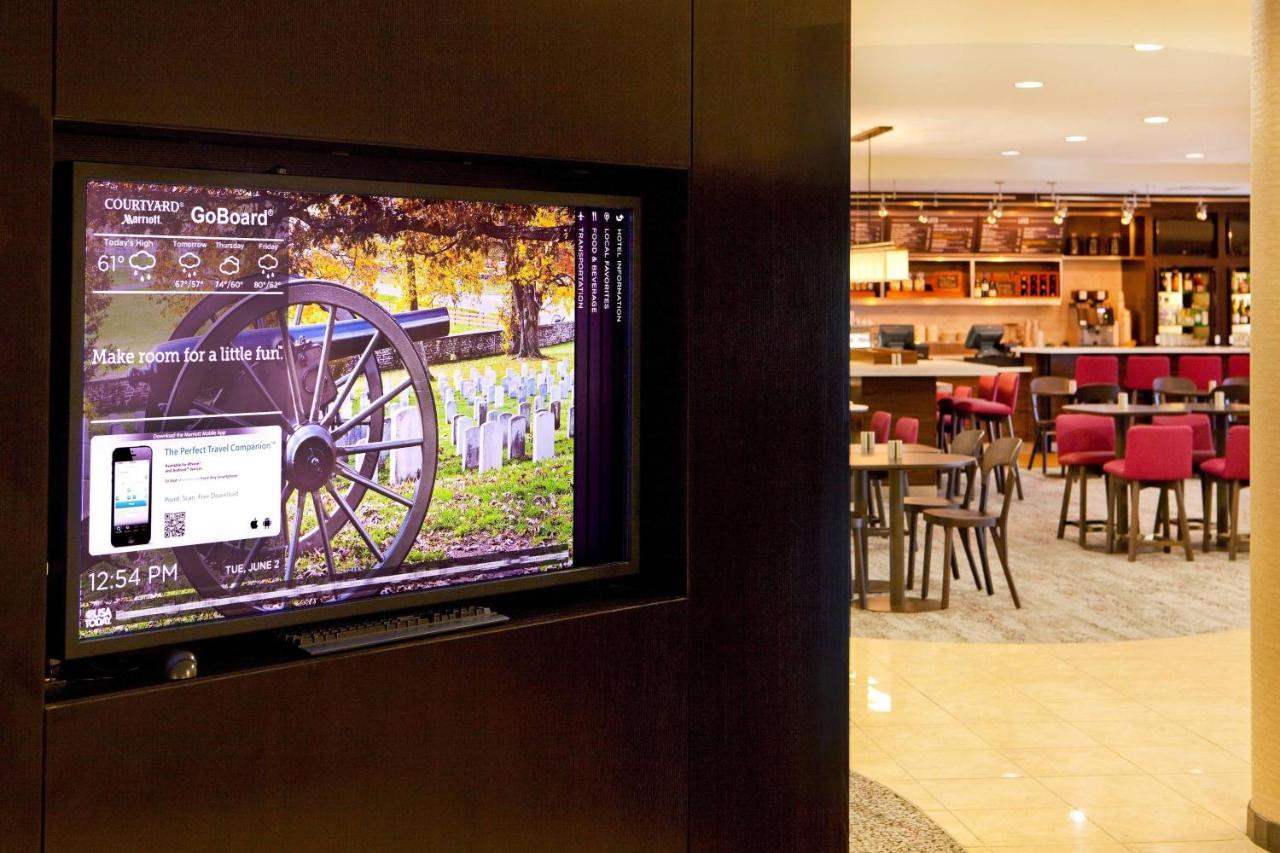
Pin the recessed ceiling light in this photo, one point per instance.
(1077, 139)
(1028, 84)
(1195, 155)
(1010, 153)
(1156, 119)
(1148, 47)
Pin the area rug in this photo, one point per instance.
(882, 822)
(1070, 594)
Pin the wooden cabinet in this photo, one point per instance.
(596, 81)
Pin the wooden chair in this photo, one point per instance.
(1236, 389)
(967, 443)
(1173, 389)
(1097, 392)
(1000, 455)
(1043, 391)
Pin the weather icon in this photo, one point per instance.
(142, 260)
(189, 260)
(230, 265)
(267, 263)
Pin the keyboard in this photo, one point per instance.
(345, 636)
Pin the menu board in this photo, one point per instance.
(952, 235)
(866, 230)
(1001, 238)
(1041, 236)
(909, 234)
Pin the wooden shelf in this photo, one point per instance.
(960, 301)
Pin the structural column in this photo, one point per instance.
(1264, 806)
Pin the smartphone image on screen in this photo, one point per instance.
(130, 496)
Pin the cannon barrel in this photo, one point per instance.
(350, 337)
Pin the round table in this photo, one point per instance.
(915, 457)
(856, 411)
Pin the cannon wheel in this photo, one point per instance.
(195, 323)
(316, 472)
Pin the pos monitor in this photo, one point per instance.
(984, 339)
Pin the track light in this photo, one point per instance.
(882, 211)
(1060, 214)
(1125, 216)
(923, 218)
(1202, 212)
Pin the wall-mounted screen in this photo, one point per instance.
(1185, 237)
(294, 399)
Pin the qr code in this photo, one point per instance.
(175, 525)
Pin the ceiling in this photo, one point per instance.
(942, 75)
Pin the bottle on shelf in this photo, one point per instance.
(1113, 245)
(1073, 244)
(1093, 244)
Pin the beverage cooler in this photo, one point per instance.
(1185, 298)
(1241, 308)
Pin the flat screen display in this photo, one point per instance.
(295, 399)
(1185, 237)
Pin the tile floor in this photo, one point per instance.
(1132, 746)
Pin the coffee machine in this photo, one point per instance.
(1095, 318)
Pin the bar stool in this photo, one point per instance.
(1085, 444)
(1141, 372)
(1155, 457)
(948, 423)
(1204, 370)
(1097, 392)
(1238, 366)
(1097, 370)
(858, 532)
(1043, 391)
(996, 415)
(1000, 455)
(1173, 389)
(967, 443)
(1232, 468)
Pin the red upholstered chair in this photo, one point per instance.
(1155, 457)
(996, 415)
(1141, 372)
(907, 430)
(1238, 366)
(1233, 469)
(880, 422)
(1097, 370)
(1202, 450)
(1202, 369)
(1085, 444)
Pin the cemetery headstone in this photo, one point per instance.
(471, 448)
(475, 375)
(482, 411)
(490, 446)
(516, 440)
(526, 411)
(491, 417)
(406, 462)
(504, 418)
(571, 422)
(461, 424)
(450, 411)
(544, 436)
(555, 411)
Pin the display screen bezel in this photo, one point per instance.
(64, 567)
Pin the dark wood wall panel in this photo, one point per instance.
(26, 76)
(598, 80)
(768, 428)
(558, 736)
